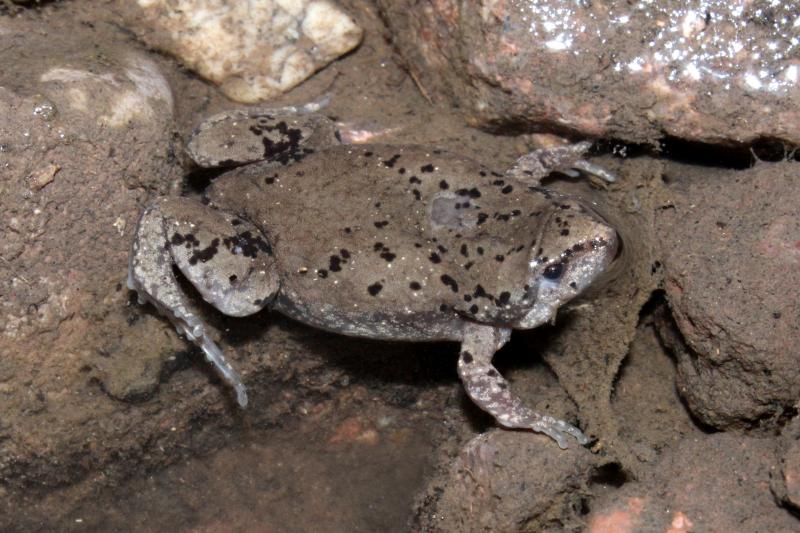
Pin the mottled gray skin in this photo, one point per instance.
(376, 241)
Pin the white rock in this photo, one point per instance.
(253, 49)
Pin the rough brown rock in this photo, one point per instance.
(731, 256)
(709, 72)
(510, 481)
(705, 483)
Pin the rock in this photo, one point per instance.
(86, 132)
(707, 483)
(709, 72)
(785, 481)
(252, 50)
(731, 259)
(509, 481)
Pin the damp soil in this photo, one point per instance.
(342, 434)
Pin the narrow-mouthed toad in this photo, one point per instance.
(378, 241)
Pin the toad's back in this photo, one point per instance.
(396, 232)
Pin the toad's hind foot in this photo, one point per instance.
(490, 391)
(215, 356)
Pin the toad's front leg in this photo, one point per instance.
(225, 257)
(490, 391)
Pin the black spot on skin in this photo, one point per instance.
(502, 385)
(417, 245)
(441, 248)
(417, 194)
(257, 302)
(464, 250)
(482, 173)
(191, 241)
(564, 232)
(498, 183)
(565, 206)
(467, 298)
(437, 151)
(480, 292)
(516, 213)
(443, 185)
(402, 170)
(480, 250)
(434, 257)
(335, 263)
(367, 154)
(377, 204)
(322, 273)
(473, 309)
(472, 193)
(426, 168)
(443, 308)
(247, 244)
(232, 278)
(389, 163)
(576, 248)
(504, 298)
(507, 189)
(344, 253)
(381, 223)
(235, 222)
(573, 284)
(205, 254)
(469, 265)
(482, 217)
(348, 230)
(388, 256)
(492, 373)
(285, 149)
(466, 356)
(414, 179)
(499, 258)
(414, 286)
(177, 239)
(338, 135)
(502, 218)
(450, 282)
(375, 288)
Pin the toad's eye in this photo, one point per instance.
(553, 271)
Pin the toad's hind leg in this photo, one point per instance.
(487, 388)
(225, 257)
(241, 136)
(533, 167)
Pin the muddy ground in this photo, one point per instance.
(109, 421)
